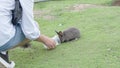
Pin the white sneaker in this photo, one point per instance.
(4, 64)
(4, 61)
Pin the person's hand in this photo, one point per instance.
(50, 43)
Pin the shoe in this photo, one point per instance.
(4, 61)
(5, 56)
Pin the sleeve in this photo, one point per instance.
(29, 26)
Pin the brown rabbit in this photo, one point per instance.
(69, 34)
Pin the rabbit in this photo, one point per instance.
(68, 34)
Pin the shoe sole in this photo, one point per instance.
(4, 64)
(1, 65)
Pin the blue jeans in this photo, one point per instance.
(18, 38)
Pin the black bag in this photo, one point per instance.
(16, 13)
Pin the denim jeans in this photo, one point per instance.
(18, 37)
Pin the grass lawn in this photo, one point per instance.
(98, 46)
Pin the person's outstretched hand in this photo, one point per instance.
(50, 43)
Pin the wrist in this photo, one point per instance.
(41, 38)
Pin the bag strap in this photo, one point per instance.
(16, 13)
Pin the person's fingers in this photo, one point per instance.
(50, 43)
(51, 46)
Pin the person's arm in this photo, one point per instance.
(30, 27)
(50, 43)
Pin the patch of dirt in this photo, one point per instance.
(43, 14)
(116, 3)
(39, 13)
(79, 7)
(49, 17)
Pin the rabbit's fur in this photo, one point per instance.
(69, 34)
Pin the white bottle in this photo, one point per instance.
(56, 39)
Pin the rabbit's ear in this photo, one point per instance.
(60, 33)
(57, 32)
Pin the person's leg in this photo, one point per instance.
(17, 40)
(23, 43)
(4, 58)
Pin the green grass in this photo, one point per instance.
(98, 46)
